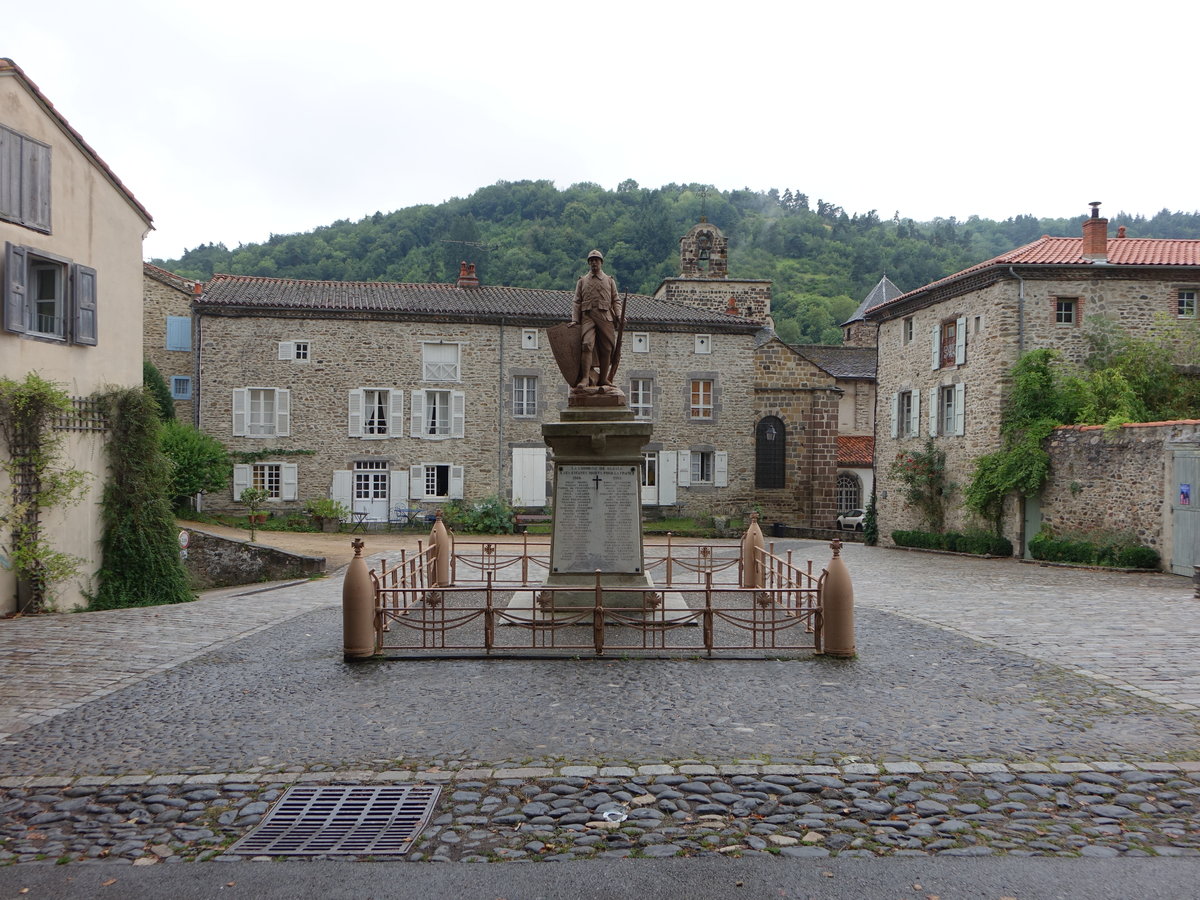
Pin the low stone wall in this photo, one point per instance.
(215, 561)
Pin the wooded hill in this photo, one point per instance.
(532, 234)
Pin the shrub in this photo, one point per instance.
(201, 463)
(326, 508)
(1097, 548)
(1139, 557)
(980, 543)
(491, 515)
(153, 381)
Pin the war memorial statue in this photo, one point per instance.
(588, 348)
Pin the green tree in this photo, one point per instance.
(153, 382)
(200, 463)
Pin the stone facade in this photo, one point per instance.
(953, 344)
(88, 233)
(704, 282)
(167, 298)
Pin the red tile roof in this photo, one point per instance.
(855, 450)
(1067, 251)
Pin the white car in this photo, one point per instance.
(851, 520)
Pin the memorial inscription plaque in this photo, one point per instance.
(597, 521)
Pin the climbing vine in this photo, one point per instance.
(38, 479)
(922, 475)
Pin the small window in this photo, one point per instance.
(179, 333)
(529, 338)
(300, 353)
(437, 413)
(268, 477)
(640, 342)
(48, 295)
(1187, 305)
(181, 387)
(702, 466)
(908, 330)
(946, 409)
(524, 396)
(949, 339)
(907, 415)
(702, 398)
(1065, 311)
(641, 397)
(704, 343)
(436, 481)
(440, 362)
(297, 351)
(978, 324)
(650, 469)
(375, 411)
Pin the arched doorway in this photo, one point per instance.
(770, 453)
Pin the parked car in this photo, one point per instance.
(851, 520)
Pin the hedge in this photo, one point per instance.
(1104, 550)
(979, 543)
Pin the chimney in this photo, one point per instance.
(466, 275)
(197, 288)
(1095, 235)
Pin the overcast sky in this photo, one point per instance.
(234, 120)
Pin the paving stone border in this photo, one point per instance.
(680, 808)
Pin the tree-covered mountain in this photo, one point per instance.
(532, 234)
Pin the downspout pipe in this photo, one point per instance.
(1020, 311)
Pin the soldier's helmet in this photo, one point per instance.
(596, 254)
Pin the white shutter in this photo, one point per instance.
(289, 482)
(355, 406)
(241, 480)
(667, 475)
(721, 468)
(396, 414)
(398, 484)
(456, 482)
(896, 415)
(933, 412)
(417, 415)
(937, 346)
(283, 412)
(960, 409)
(416, 482)
(342, 489)
(458, 413)
(914, 423)
(241, 400)
(960, 341)
(529, 476)
(287, 350)
(684, 468)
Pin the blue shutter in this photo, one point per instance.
(179, 333)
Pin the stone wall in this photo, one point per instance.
(215, 561)
(750, 299)
(160, 300)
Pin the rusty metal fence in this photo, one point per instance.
(497, 605)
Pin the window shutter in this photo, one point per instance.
(668, 463)
(960, 409)
(721, 468)
(395, 413)
(35, 198)
(895, 415)
(283, 412)
(179, 333)
(960, 341)
(684, 468)
(458, 413)
(241, 399)
(10, 174)
(416, 482)
(933, 412)
(937, 347)
(456, 482)
(289, 481)
(355, 406)
(417, 415)
(83, 305)
(16, 310)
(342, 489)
(398, 484)
(241, 480)
(287, 350)
(914, 424)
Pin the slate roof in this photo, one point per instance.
(883, 292)
(443, 302)
(1059, 252)
(11, 69)
(839, 361)
(855, 450)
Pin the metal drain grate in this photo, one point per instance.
(342, 821)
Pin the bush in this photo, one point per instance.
(979, 543)
(491, 515)
(153, 381)
(1100, 548)
(326, 508)
(1138, 558)
(201, 462)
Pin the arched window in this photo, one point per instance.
(849, 492)
(770, 453)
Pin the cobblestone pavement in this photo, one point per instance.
(955, 731)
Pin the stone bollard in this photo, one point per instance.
(358, 609)
(753, 575)
(443, 550)
(838, 613)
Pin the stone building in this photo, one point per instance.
(71, 274)
(167, 327)
(946, 350)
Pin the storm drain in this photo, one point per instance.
(342, 821)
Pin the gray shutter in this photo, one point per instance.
(398, 488)
(668, 462)
(241, 403)
(937, 347)
(960, 409)
(416, 482)
(10, 174)
(896, 415)
(16, 273)
(395, 413)
(914, 423)
(960, 341)
(241, 480)
(286, 350)
(83, 297)
(417, 415)
(355, 406)
(283, 412)
(933, 412)
(458, 413)
(721, 468)
(289, 481)
(456, 482)
(684, 469)
(35, 186)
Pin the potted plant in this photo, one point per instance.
(327, 514)
(254, 498)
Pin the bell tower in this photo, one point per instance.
(704, 280)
